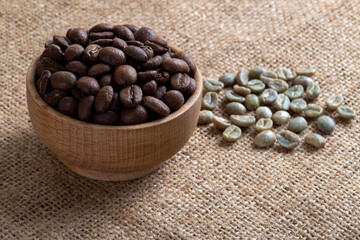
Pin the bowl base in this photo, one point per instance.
(110, 176)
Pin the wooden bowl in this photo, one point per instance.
(113, 153)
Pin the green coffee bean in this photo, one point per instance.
(256, 72)
(231, 96)
(221, 123)
(213, 85)
(346, 112)
(295, 91)
(263, 124)
(263, 112)
(256, 86)
(285, 74)
(268, 96)
(298, 105)
(210, 100)
(278, 85)
(282, 102)
(235, 108)
(315, 140)
(242, 77)
(232, 133)
(267, 77)
(334, 102)
(305, 71)
(281, 117)
(313, 111)
(205, 117)
(297, 124)
(302, 80)
(244, 91)
(228, 79)
(288, 139)
(325, 124)
(265, 139)
(242, 120)
(313, 90)
(252, 102)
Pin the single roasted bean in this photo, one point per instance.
(63, 80)
(53, 98)
(281, 117)
(101, 27)
(205, 117)
(85, 107)
(48, 43)
(119, 43)
(74, 52)
(263, 112)
(144, 34)
(68, 106)
(235, 108)
(106, 118)
(285, 74)
(104, 42)
(77, 35)
(99, 70)
(268, 96)
(295, 91)
(265, 138)
(309, 72)
(325, 124)
(159, 46)
(47, 63)
(232, 133)
(256, 86)
(156, 106)
(282, 102)
(210, 100)
(278, 85)
(213, 85)
(148, 50)
(103, 99)
(152, 63)
(56, 53)
(315, 140)
(297, 124)
(115, 102)
(46, 53)
(187, 58)
(132, 27)
(112, 56)
(192, 87)
(44, 82)
(242, 120)
(91, 53)
(123, 32)
(106, 80)
(160, 91)
(288, 139)
(312, 90)
(136, 53)
(256, 72)
(149, 88)
(346, 112)
(228, 79)
(125, 75)
(221, 123)
(175, 65)
(244, 91)
(101, 35)
(162, 77)
(88, 85)
(334, 102)
(242, 77)
(174, 99)
(135, 43)
(136, 115)
(231, 96)
(147, 76)
(313, 111)
(267, 77)
(180, 81)
(77, 67)
(302, 80)
(131, 96)
(61, 41)
(252, 102)
(298, 105)
(263, 124)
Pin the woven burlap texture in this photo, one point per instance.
(210, 189)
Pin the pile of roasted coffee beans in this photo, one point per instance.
(114, 75)
(274, 97)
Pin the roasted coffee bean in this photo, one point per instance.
(243, 91)
(85, 107)
(119, 43)
(135, 43)
(285, 74)
(56, 53)
(103, 99)
(278, 85)
(147, 76)
(213, 85)
(156, 105)
(313, 111)
(235, 108)
(106, 80)
(346, 112)
(77, 35)
(104, 42)
(231, 96)
(131, 96)
(228, 79)
(205, 117)
(123, 32)
(115, 103)
(325, 124)
(268, 96)
(256, 86)
(148, 50)
(136, 53)
(48, 43)
(101, 27)
(159, 45)
(45, 53)
(174, 99)
(302, 80)
(76, 92)
(305, 71)
(62, 42)
(106, 118)
(74, 52)
(315, 140)
(68, 106)
(136, 115)
(221, 123)
(175, 65)
(232, 133)
(88, 85)
(256, 72)
(162, 77)
(99, 70)
(313, 91)
(210, 100)
(282, 102)
(288, 140)
(149, 88)
(152, 63)
(334, 102)
(268, 76)
(101, 35)
(242, 77)
(112, 56)
(160, 91)
(192, 87)
(44, 82)
(295, 91)
(180, 81)
(263, 124)
(63, 80)
(165, 56)
(53, 98)
(252, 102)
(263, 112)
(91, 54)
(47, 63)
(132, 27)
(281, 117)
(265, 139)
(125, 75)
(77, 67)
(189, 61)
(298, 105)
(144, 34)
(297, 124)
(242, 120)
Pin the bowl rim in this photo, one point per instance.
(33, 92)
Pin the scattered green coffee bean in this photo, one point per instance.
(305, 71)
(213, 85)
(282, 102)
(281, 117)
(256, 86)
(205, 117)
(228, 79)
(346, 112)
(242, 120)
(221, 123)
(231, 96)
(210, 100)
(263, 124)
(267, 77)
(265, 139)
(288, 139)
(242, 77)
(297, 124)
(313, 110)
(313, 90)
(256, 72)
(268, 96)
(252, 102)
(315, 140)
(235, 108)
(232, 133)
(325, 124)
(285, 74)
(278, 85)
(244, 91)
(263, 112)
(295, 91)
(298, 105)
(334, 102)
(302, 80)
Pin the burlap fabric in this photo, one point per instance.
(210, 189)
